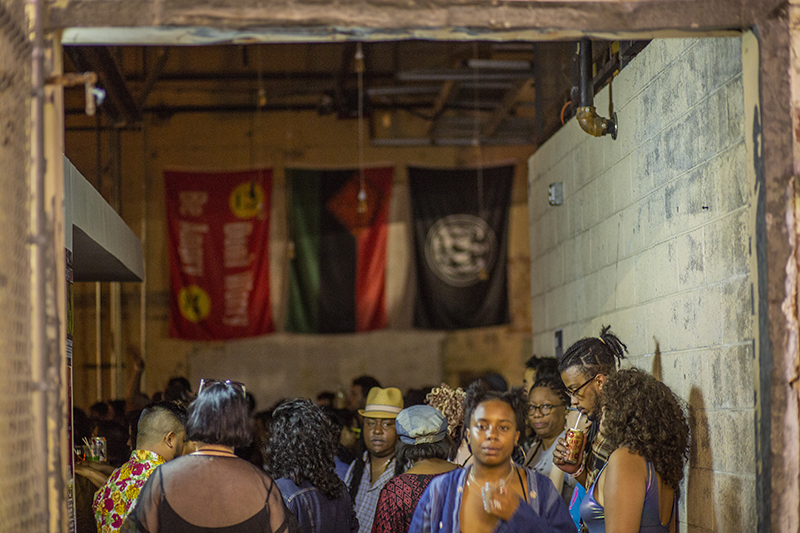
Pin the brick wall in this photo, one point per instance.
(654, 238)
(22, 467)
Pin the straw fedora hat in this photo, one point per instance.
(383, 403)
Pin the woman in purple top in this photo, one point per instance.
(637, 490)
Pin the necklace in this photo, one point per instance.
(472, 483)
(214, 452)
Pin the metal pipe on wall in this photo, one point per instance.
(143, 237)
(98, 339)
(586, 74)
(116, 287)
(40, 241)
(116, 340)
(98, 290)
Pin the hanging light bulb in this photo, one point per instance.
(359, 59)
(362, 201)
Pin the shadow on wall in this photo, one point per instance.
(658, 371)
(698, 495)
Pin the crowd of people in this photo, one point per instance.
(487, 459)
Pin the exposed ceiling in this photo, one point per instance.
(464, 92)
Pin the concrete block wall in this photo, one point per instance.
(654, 238)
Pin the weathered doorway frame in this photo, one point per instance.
(751, 68)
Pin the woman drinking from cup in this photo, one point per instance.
(492, 494)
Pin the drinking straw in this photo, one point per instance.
(578, 420)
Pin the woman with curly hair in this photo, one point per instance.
(493, 494)
(299, 455)
(637, 490)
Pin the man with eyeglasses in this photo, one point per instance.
(584, 368)
(370, 473)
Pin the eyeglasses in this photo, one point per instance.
(237, 386)
(574, 393)
(545, 408)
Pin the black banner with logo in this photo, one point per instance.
(461, 233)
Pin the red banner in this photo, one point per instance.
(218, 225)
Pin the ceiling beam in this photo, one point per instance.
(152, 76)
(510, 101)
(359, 20)
(440, 104)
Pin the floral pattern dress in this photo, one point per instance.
(114, 500)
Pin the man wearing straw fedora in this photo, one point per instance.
(369, 473)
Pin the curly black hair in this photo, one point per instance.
(478, 393)
(645, 416)
(595, 355)
(555, 384)
(301, 446)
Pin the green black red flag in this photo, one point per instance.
(337, 275)
(460, 233)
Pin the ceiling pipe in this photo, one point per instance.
(586, 114)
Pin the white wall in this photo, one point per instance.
(654, 239)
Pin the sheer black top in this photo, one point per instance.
(200, 493)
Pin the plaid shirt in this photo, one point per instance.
(596, 459)
(367, 498)
(114, 500)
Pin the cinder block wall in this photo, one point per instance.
(654, 239)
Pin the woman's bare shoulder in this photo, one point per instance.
(625, 458)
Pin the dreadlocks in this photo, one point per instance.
(595, 355)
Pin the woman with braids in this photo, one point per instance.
(547, 414)
(637, 490)
(299, 455)
(584, 368)
(493, 494)
(424, 446)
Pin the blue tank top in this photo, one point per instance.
(594, 517)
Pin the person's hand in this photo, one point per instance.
(503, 503)
(87, 470)
(561, 453)
(136, 358)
